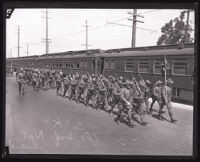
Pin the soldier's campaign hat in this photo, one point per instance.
(131, 82)
(133, 78)
(76, 76)
(126, 82)
(85, 77)
(94, 79)
(141, 83)
(159, 82)
(61, 73)
(121, 78)
(170, 81)
(92, 75)
(148, 82)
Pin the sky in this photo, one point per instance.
(67, 31)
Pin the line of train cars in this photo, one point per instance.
(126, 62)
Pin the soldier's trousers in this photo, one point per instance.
(58, 86)
(78, 93)
(147, 104)
(72, 93)
(93, 97)
(65, 89)
(102, 99)
(127, 109)
(169, 108)
(20, 87)
(154, 99)
(142, 110)
(115, 102)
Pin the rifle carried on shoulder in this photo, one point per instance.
(137, 86)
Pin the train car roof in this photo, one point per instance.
(73, 54)
(149, 53)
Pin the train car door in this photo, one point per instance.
(101, 65)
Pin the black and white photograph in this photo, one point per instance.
(100, 81)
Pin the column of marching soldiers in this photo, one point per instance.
(128, 97)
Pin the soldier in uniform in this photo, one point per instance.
(166, 96)
(80, 88)
(58, 82)
(35, 80)
(20, 80)
(73, 85)
(117, 91)
(138, 99)
(126, 106)
(102, 94)
(147, 94)
(156, 94)
(111, 85)
(91, 95)
(66, 82)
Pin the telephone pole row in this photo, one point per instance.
(47, 40)
(86, 31)
(135, 15)
(18, 44)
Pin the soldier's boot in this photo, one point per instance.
(151, 107)
(65, 90)
(118, 118)
(131, 123)
(143, 123)
(160, 117)
(111, 110)
(171, 117)
(147, 107)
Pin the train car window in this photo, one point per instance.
(85, 64)
(77, 65)
(144, 66)
(129, 67)
(60, 65)
(81, 64)
(112, 64)
(66, 65)
(157, 66)
(179, 67)
(106, 64)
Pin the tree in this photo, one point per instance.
(174, 32)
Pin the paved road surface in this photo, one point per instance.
(43, 123)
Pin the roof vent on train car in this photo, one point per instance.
(72, 53)
(88, 53)
(109, 51)
(181, 46)
(116, 50)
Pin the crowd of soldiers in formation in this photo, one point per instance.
(128, 97)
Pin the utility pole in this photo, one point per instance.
(18, 46)
(47, 40)
(134, 25)
(86, 32)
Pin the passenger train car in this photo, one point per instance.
(126, 62)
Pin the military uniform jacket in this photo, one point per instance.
(166, 94)
(117, 91)
(157, 91)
